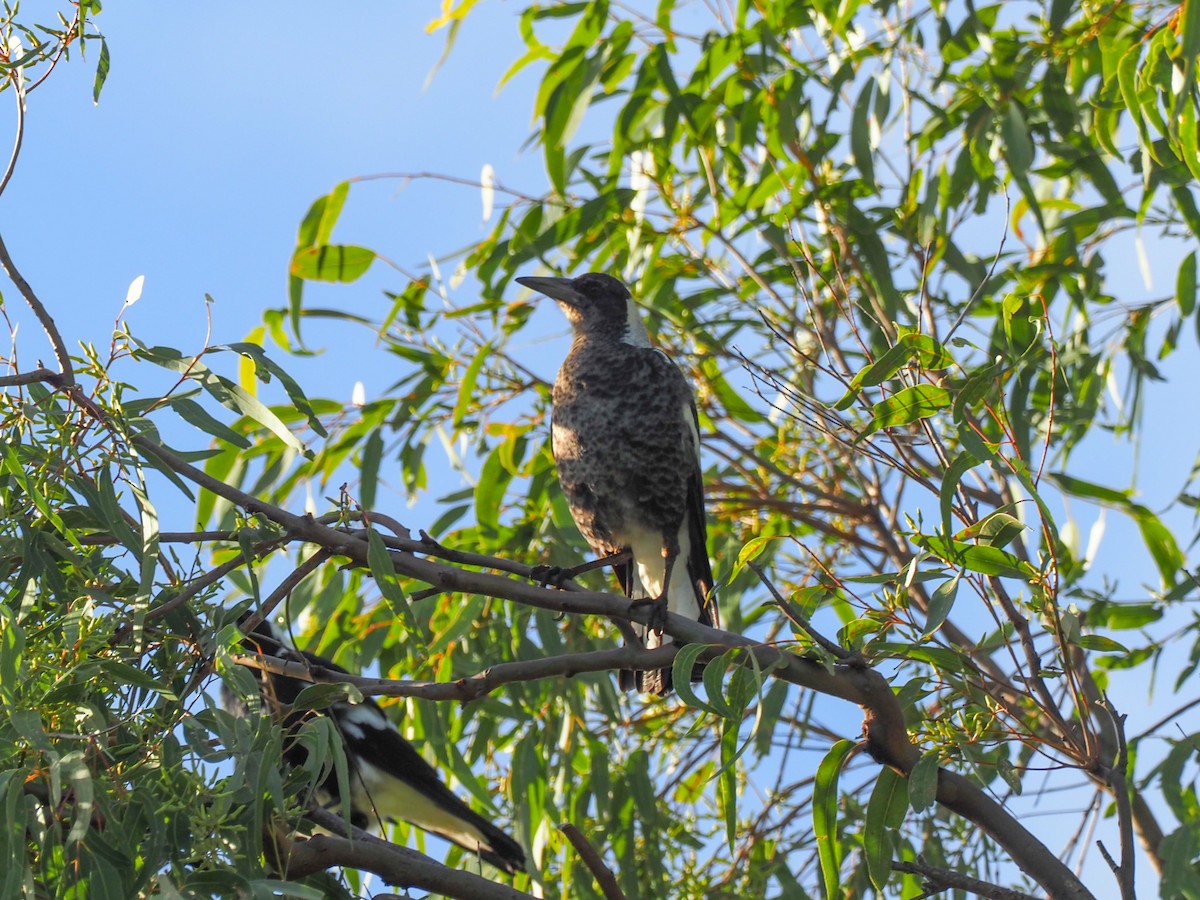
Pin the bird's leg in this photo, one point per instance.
(556, 575)
(659, 609)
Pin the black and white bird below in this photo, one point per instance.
(389, 780)
(626, 445)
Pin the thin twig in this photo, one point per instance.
(595, 862)
(1116, 776)
(285, 587)
(939, 880)
(797, 618)
(39, 374)
(472, 687)
(66, 371)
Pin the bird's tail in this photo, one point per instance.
(650, 681)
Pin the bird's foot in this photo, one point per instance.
(551, 576)
(658, 612)
(559, 575)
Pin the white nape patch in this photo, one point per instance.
(373, 789)
(635, 328)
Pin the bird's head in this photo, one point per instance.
(596, 305)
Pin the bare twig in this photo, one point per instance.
(39, 374)
(66, 371)
(939, 880)
(797, 618)
(595, 862)
(285, 587)
(1116, 777)
(472, 687)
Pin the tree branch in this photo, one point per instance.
(883, 723)
(942, 879)
(1115, 776)
(66, 374)
(396, 865)
(595, 862)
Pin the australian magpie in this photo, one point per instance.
(626, 445)
(389, 779)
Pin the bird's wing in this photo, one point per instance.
(393, 781)
(698, 563)
(389, 779)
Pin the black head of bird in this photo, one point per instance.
(597, 306)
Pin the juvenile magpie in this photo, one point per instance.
(626, 443)
(389, 779)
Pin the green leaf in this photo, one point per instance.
(825, 807)
(998, 529)
(1189, 39)
(941, 603)
(727, 780)
(920, 349)
(860, 134)
(73, 769)
(733, 402)
(494, 479)
(885, 813)
(329, 215)
(1077, 487)
(1160, 542)
(907, 406)
(923, 783)
(195, 414)
(1011, 776)
(1060, 10)
(714, 678)
(372, 455)
(681, 676)
(978, 558)
(1126, 615)
(1101, 644)
(466, 388)
(226, 392)
(750, 551)
(1185, 281)
(962, 464)
(322, 695)
(102, 66)
(331, 262)
(384, 573)
(265, 367)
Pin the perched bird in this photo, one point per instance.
(389, 779)
(626, 445)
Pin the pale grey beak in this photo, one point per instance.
(560, 289)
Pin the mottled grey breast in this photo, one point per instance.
(622, 445)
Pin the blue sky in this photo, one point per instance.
(215, 132)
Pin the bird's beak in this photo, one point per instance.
(560, 289)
